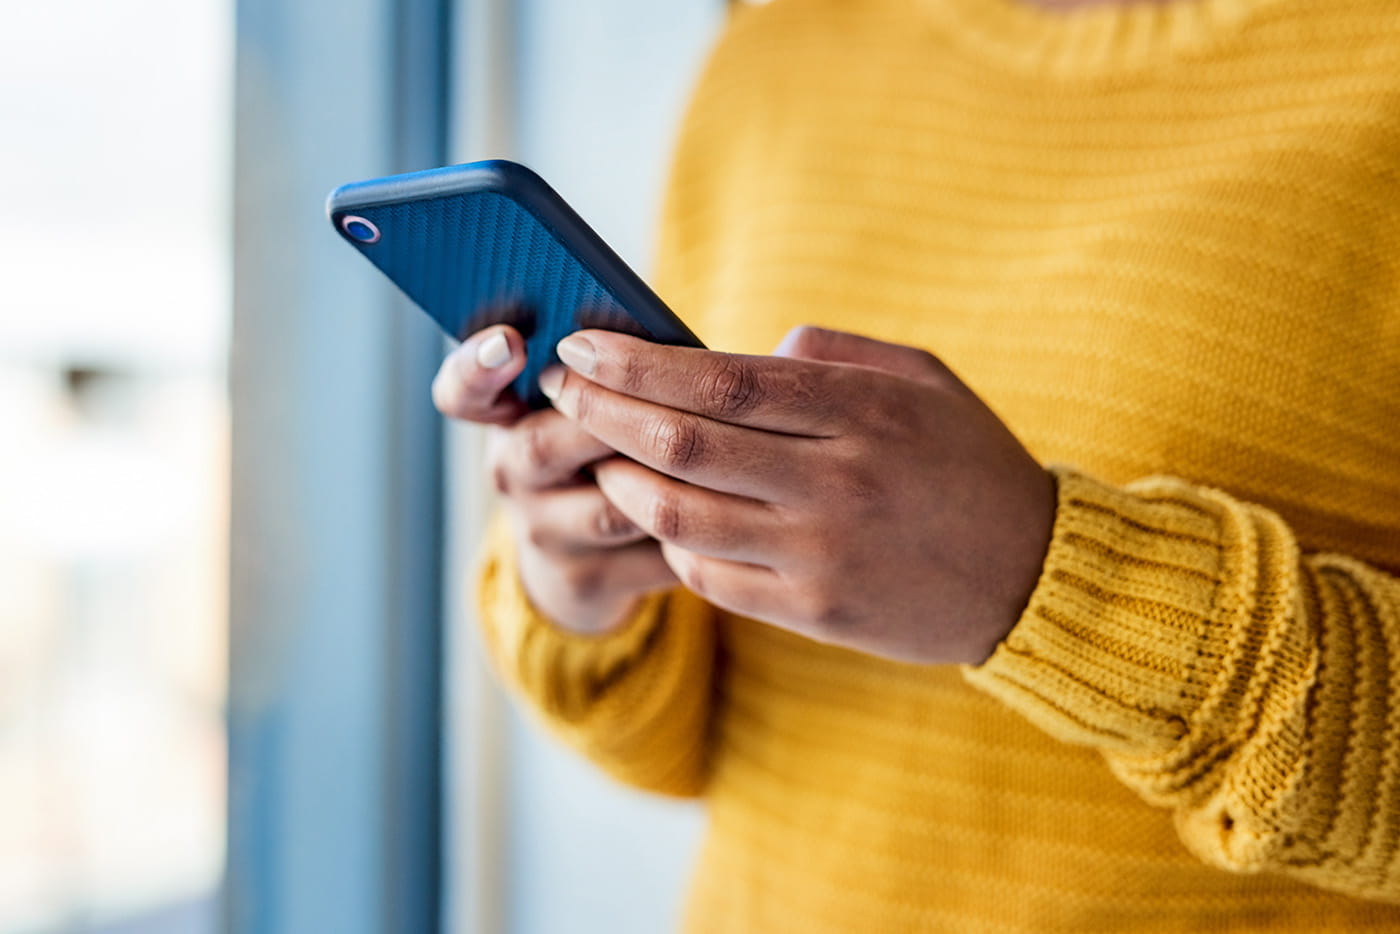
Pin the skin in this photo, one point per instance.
(860, 494)
(853, 491)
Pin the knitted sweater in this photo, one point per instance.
(1163, 243)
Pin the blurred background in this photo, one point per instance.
(239, 684)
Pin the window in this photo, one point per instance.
(113, 476)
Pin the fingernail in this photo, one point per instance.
(493, 352)
(551, 381)
(578, 353)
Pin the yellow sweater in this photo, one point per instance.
(1163, 243)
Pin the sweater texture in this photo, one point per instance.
(1162, 242)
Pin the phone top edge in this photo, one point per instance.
(488, 174)
(524, 186)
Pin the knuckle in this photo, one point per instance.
(585, 580)
(928, 361)
(539, 537)
(536, 451)
(849, 486)
(729, 387)
(632, 374)
(860, 489)
(825, 394)
(819, 545)
(666, 517)
(497, 460)
(676, 441)
(609, 522)
(822, 610)
(884, 409)
(584, 397)
(805, 340)
(931, 362)
(939, 373)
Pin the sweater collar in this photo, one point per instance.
(1092, 40)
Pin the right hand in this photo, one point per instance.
(582, 562)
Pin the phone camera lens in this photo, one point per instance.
(359, 229)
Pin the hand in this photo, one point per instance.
(582, 562)
(850, 490)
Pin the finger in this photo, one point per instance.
(729, 458)
(630, 571)
(542, 450)
(748, 590)
(473, 383)
(638, 569)
(769, 393)
(806, 342)
(576, 519)
(692, 517)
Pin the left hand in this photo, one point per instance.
(850, 490)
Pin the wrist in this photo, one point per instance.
(553, 591)
(1025, 552)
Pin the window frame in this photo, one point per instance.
(335, 697)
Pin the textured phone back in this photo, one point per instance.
(478, 258)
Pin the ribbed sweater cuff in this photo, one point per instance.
(1127, 632)
(563, 671)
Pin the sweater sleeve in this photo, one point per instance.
(1249, 687)
(636, 701)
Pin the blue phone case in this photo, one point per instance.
(490, 242)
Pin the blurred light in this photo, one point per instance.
(113, 474)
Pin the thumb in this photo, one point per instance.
(806, 342)
(474, 381)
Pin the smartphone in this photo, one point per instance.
(490, 243)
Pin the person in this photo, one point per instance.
(1048, 579)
